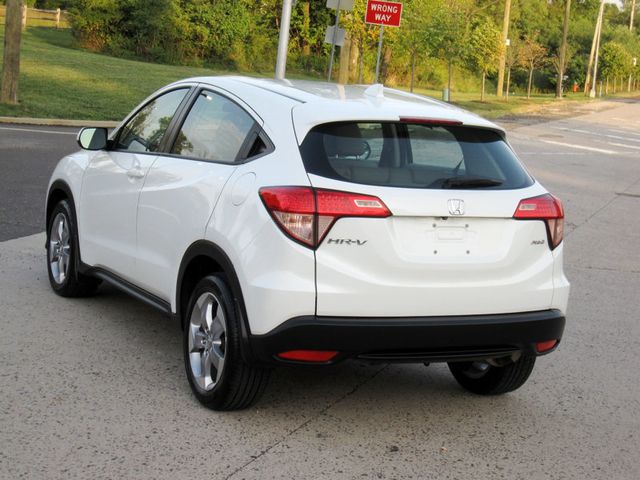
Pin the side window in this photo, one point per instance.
(144, 132)
(435, 147)
(215, 129)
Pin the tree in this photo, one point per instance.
(532, 55)
(486, 49)
(511, 60)
(415, 38)
(11, 56)
(449, 29)
(616, 62)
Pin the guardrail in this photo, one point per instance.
(40, 18)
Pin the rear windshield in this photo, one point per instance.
(412, 156)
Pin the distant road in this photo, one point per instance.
(28, 155)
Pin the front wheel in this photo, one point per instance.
(219, 377)
(62, 255)
(485, 379)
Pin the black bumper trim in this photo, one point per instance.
(412, 339)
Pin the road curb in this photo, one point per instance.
(58, 122)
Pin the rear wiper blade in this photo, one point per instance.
(469, 182)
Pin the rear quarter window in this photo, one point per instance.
(412, 156)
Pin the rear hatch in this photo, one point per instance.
(450, 244)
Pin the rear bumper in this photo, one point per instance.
(412, 339)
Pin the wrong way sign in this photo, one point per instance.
(383, 13)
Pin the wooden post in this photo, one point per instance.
(563, 48)
(24, 16)
(11, 56)
(57, 17)
(505, 35)
(345, 50)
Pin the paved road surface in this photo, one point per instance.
(95, 387)
(28, 155)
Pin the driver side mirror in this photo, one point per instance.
(92, 138)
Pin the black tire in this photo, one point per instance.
(238, 385)
(72, 283)
(485, 379)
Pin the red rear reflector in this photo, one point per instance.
(319, 356)
(545, 207)
(430, 121)
(542, 347)
(307, 214)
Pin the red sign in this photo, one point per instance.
(383, 13)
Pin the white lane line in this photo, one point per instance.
(623, 145)
(33, 130)
(616, 137)
(580, 147)
(555, 154)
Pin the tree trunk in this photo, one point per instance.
(361, 63)
(530, 81)
(508, 83)
(606, 88)
(354, 51)
(449, 80)
(384, 67)
(306, 21)
(484, 76)
(11, 56)
(413, 71)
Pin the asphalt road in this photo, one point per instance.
(95, 387)
(28, 155)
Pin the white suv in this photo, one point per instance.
(303, 222)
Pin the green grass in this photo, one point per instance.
(58, 80)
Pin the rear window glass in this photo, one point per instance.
(412, 156)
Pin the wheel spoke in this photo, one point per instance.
(217, 359)
(206, 369)
(196, 339)
(217, 326)
(61, 228)
(61, 268)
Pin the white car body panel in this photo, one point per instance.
(175, 204)
(107, 221)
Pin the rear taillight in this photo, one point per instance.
(545, 207)
(306, 214)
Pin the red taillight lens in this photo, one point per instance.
(307, 214)
(317, 356)
(545, 207)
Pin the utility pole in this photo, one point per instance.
(563, 48)
(11, 56)
(283, 40)
(633, 10)
(592, 93)
(505, 35)
(594, 44)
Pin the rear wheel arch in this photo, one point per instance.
(203, 258)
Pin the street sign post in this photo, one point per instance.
(383, 13)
